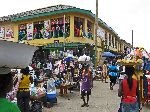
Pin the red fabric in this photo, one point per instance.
(129, 96)
(148, 86)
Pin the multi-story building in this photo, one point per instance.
(59, 27)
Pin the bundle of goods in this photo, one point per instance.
(36, 93)
(133, 58)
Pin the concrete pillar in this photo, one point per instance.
(85, 26)
(107, 39)
(16, 32)
(71, 26)
(114, 42)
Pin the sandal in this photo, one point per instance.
(87, 105)
(83, 105)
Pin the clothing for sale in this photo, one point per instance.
(147, 67)
(7, 106)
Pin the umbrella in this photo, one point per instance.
(68, 59)
(84, 58)
(108, 54)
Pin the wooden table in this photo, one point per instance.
(64, 88)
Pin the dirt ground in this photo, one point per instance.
(102, 100)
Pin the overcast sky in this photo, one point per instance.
(122, 15)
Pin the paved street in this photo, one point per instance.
(101, 100)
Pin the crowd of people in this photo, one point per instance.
(67, 72)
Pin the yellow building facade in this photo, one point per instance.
(59, 26)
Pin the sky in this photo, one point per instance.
(121, 15)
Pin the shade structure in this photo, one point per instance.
(15, 55)
(108, 54)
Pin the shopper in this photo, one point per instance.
(85, 86)
(113, 69)
(104, 72)
(6, 84)
(23, 95)
(128, 91)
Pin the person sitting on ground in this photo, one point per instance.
(128, 90)
(6, 84)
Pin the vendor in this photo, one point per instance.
(6, 84)
(128, 91)
(23, 95)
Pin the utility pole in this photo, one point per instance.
(132, 40)
(64, 33)
(96, 28)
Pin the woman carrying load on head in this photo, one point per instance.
(128, 91)
(85, 85)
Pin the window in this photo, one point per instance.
(57, 27)
(46, 29)
(79, 27)
(38, 31)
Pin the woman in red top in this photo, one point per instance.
(128, 90)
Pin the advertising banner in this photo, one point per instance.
(2, 32)
(30, 31)
(101, 33)
(47, 29)
(9, 32)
